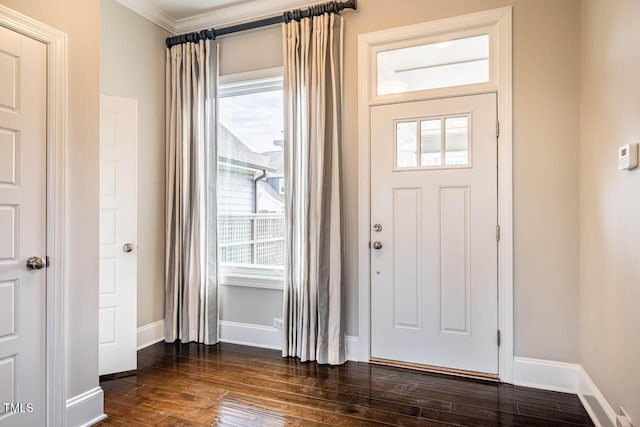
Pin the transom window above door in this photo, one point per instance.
(433, 142)
(434, 66)
(427, 66)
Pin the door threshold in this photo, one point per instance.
(435, 369)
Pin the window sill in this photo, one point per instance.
(251, 279)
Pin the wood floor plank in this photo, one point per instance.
(233, 385)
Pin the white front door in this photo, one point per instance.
(118, 234)
(23, 97)
(434, 293)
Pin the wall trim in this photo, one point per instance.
(85, 409)
(598, 408)
(222, 17)
(150, 334)
(500, 20)
(148, 10)
(267, 337)
(239, 14)
(57, 131)
(567, 378)
(353, 348)
(545, 374)
(251, 335)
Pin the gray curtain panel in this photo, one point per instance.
(191, 307)
(314, 294)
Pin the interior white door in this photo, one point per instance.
(118, 234)
(23, 95)
(434, 294)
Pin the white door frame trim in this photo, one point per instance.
(500, 20)
(57, 80)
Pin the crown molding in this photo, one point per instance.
(147, 9)
(223, 17)
(239, 14)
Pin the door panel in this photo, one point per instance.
(22, 228)
(434, 191)
(407, 206)
(118, 226)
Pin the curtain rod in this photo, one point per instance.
(295, 15)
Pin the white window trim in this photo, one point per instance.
(252, 277)
(499, 23)
(262, 277)
(265, 73)
(57, 131)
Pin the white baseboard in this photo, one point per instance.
(249, 334)
(601, 413)
(545, 374)
(352, 348)
(150, 334)
(267, 337)
(86, 409)
(568, 378)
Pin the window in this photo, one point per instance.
(434, 65)
(433, 142)
(251, 227)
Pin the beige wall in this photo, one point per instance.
(80, 20)
(546, 36)
(546, 44)
(610, 202)
(251, 51)
(132, 64)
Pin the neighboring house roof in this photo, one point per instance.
(268, 189)
(232, 150)
(276, 161)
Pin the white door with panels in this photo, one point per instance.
(118, 234)
(434, 276)
(23, 136)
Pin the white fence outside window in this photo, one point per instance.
(253, 239)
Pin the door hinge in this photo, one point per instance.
(498, 337)
(497, 129)
(47, 261)
(497, 233)
(369, 245)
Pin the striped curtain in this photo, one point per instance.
(191, 309)
(314, 295)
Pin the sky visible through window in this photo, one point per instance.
(256, 119)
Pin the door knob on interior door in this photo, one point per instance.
(377, 244)
(127, 247)
(36, 263)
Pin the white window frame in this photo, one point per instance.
(264, 277)
(498, 24)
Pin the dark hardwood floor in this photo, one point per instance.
(227, 384)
